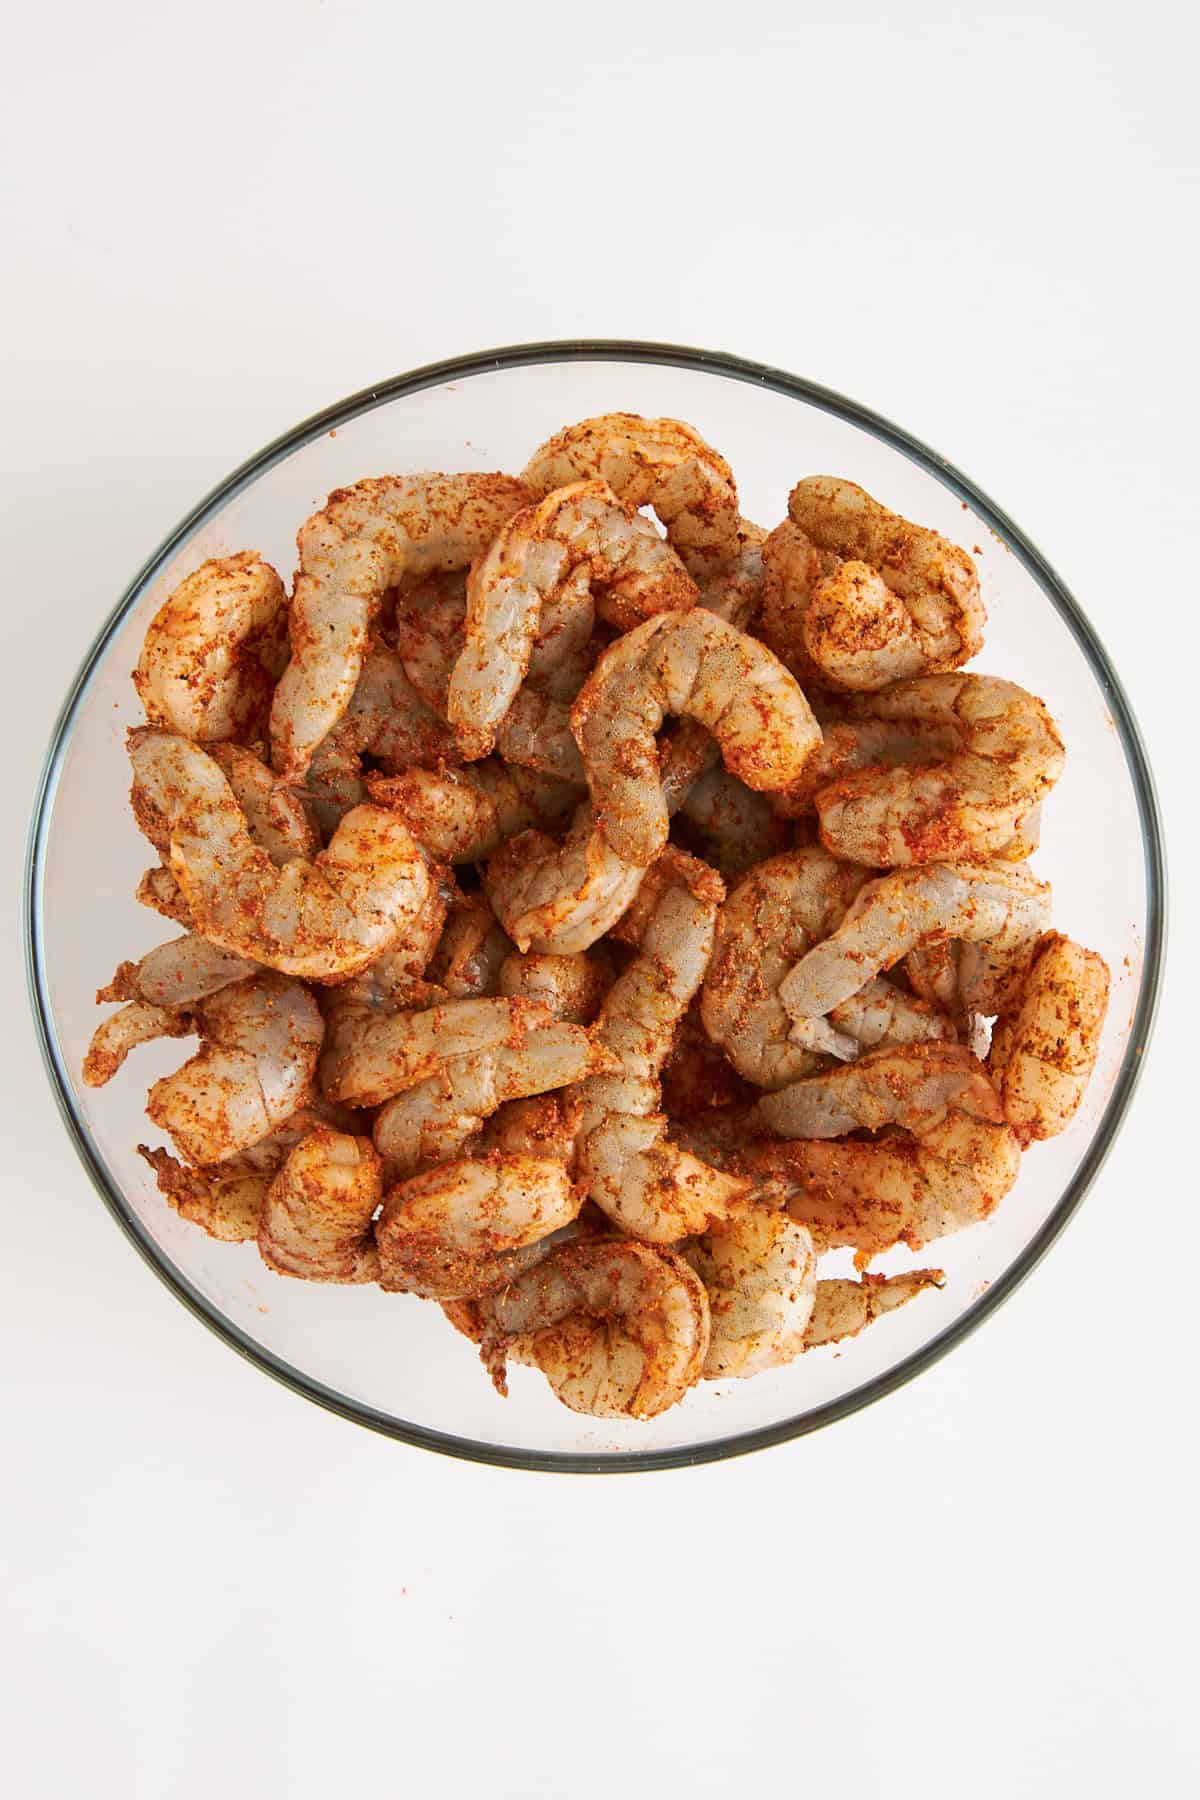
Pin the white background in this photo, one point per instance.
(219, 218)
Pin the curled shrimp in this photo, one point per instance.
(560, 898)
(467, 1227)
(684, 663)
(728, 824)
(535, 586)
(572, 987)
(471, 951)
(880, 599)
(760, 1272)
(945, 1161)
(970, 803)
(225, 1198)
(619, 1329)
(1044, 1047)
(979, 902)
(316, 1215)
(177, 974)
(662, 463)
(321, 919)
(771, 919)
(386, 719)
(215, 649)
(649, 1186)
(366, 539)
(464, 815)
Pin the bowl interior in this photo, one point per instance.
(395, 1361)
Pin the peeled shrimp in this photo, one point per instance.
(316, 1216)
(1045, 1047)
(969, 804)
(760, 1273)
(619, 1330)
(647, 1185)
(225, 1199)
(214, 650)
(319, 919)
(572, 987)
(1000, 903)
(393, 983)
(366, 539)
(881, 1013)
(663, 463)
(849, 744)
(686, 663)
(463, 815)
(534, 567)
(885, 599)
(949, 1168)
(771, 919)
(729, 825)
(560, 898)
(466, 1227)
(386, 719)
(177, 974)
(471, 951)
(842, 1309)
(159, 890)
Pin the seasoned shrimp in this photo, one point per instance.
(136, 1023)
(842, 1309)
(465, 1228)
(912, 1086)
(321, 919)
(649, 1186)
(177, 974)
(734, 589)
(771, 919)
(316, 1216)
(391, 984)
(471, 951)
(949, 1169)
(215, 649)
(549, 560)
(386, 719)
(890, 599)
(969, 804)
(881, 1013)
(760, 1273)
(463, 815)
(619, 1330)
(792, 567)
(572, 987)
(999, 903)
(225, 1199)
(729, 825)
(685, 663)
(662, 463)
(560, 898)
(366, 539)
(697, 1074)
(159, 890)
(849, 744)
(1044, 1047)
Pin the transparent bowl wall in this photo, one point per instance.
(393, 1362)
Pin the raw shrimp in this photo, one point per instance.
(463, 815)
(772, 917)
(912, 1086)
(1044, 1047)
(729, 825)
(1000, 903)
(316, 1217)
(319, 919)
(560, 897)
(534, 588)
(366, 539)
(159, 890)
(792, 568)
(697, 1074)
(215, 649)
(968, 804)
(472, 949)
(572, 987)
(515, 1045)
(686, 663)
(391, 984)
(849, 744)
(136, 1023)
(949, 1170)
(760, 1272)
(225, 1199)
(540, 1125)
(647, 1185)
(881, 1013)
(535, 732)
(663, 463)
(898, 600)
(734, 588)
(386, 719)
(842, 1309)
(619, 1330)
(177, 974)
(465, 1227)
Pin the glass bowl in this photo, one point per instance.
(391, 1362)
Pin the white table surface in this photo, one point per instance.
(216, 220)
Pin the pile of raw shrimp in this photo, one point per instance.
(592, 918)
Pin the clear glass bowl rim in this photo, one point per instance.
(737, 369)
